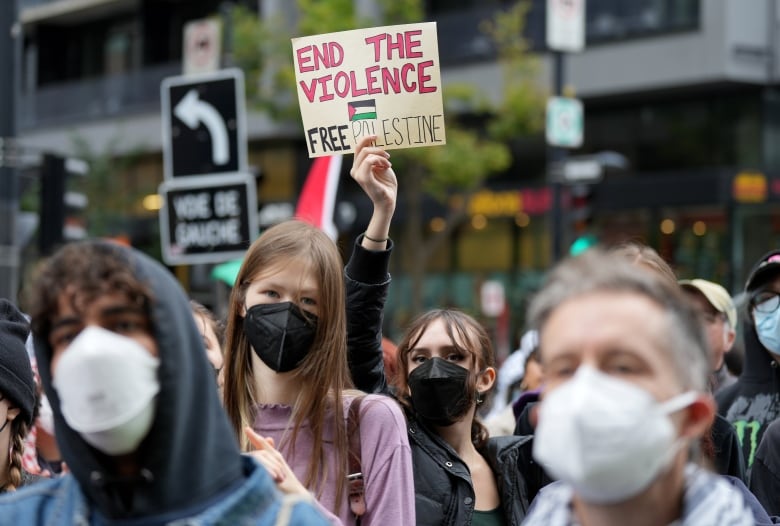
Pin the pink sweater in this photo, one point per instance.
(386, 460)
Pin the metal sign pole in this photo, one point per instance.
(9, 200)
(556, 155)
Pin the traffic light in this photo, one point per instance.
(581, 206)
(583, 243)
(60, 210)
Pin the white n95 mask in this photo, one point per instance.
(107, 384)
(46, 415)
(606, 437)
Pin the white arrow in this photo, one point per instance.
(191, 111)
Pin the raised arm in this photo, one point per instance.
(366, 273)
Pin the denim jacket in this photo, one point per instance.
(255, 501)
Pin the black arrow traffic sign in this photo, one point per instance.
(204, 124)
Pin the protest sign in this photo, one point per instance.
(382, 81)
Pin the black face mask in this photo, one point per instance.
(440, 391)
(280, 334)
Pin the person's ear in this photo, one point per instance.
(12, 412)
(729, 335)
(486, 379)
(698, 416)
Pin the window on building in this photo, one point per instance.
(680, 134)
(608, 20)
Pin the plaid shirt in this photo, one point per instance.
(708, 501)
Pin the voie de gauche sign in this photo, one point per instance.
(382, 81)
(207, 219)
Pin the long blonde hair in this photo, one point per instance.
(323, 374)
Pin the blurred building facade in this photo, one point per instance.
(685, 90)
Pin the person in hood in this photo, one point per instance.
(625, 398)
(17, 397)
(753, 401)
(136, 415)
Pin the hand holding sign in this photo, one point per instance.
(372, 170)
(380, 81)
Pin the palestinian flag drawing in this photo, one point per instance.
(360, 110)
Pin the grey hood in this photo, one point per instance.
(190, 454)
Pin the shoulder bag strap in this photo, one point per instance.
(357, 502)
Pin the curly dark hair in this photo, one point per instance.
(82, 272)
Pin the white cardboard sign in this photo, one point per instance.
(382, 81)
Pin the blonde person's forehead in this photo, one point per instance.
(303, 267)
(279, 264)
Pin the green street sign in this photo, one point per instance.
(565, 122)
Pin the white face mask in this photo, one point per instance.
(46, 416)
(606, 437)
(107, 384)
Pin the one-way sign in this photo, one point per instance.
(203, 124)
(207, 219)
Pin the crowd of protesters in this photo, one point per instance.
(123, 402)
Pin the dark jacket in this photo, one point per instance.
(753, 401)
(444, 494)
(728, 458)
(765, 478)
(367, 280)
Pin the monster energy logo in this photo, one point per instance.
(754, 426)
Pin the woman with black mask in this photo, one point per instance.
(445, 370)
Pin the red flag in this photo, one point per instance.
(318, 197)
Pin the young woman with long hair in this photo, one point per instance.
(287, 387)
(446, 367)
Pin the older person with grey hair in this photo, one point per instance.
(625, 401)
